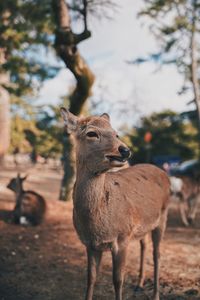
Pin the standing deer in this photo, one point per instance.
(30, 207)
(185, 185)
(187, 190)
(112, 208)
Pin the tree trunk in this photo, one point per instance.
(68, 179)
(4, 111)
(194, 73)
(194, 69)
(66, 46)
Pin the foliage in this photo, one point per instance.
(25, 31)
(171, 136)
(96, 8)
(176, 26)
(35, 128)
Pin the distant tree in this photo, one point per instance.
(26, 137)
(4, 120)
(35, 129)
(49, 141)
(170, 136)
(25, 29)
(176, 26)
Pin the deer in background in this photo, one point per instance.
(185, 185)
(187, 190)
(112, 208)
(30, 207)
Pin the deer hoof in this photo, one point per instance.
(156, 297)
(138, 289)
(190, 221)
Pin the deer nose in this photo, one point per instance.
(125, 152)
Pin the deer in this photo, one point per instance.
(112, 208)
(30, 206)
(187, 190)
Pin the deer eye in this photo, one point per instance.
(92, 134)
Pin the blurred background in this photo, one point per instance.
(138, 61)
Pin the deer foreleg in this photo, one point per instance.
(94, 260)
(157, 235)
(143, 244)
(119, 253)
(156, 238)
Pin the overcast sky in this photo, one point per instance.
(125, 91)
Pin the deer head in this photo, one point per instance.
(98, 146)
(15, 184)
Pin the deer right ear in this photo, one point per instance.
(105, 116)
(70, 120)
(25, 177)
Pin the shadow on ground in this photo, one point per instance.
(48, 262)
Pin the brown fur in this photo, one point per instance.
(189, 197)
(111, 208)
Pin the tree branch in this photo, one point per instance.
(66, 45)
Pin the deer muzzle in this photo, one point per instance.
(119, 160)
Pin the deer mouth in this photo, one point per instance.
(116, 159)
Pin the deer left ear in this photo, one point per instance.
(106, 117)
(18, 178)
(70, 120)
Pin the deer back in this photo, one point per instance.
(33, 207)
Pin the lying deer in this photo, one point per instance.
(30, 206)
(112, 208)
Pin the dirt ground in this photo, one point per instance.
(48, 262)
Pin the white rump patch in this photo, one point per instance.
(23, 221)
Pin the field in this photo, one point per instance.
(48, 262)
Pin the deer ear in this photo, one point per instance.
(24, 178)
(106, 117)
(70, 120)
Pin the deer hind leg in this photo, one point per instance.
(157, 235)
(143, 246)
(94, 260)
(192, 208)
(182, 208)
(119, 253)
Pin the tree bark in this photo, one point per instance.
(194, 68)
(194, 73)
(4, 110)
(4, 99)
(66, 46)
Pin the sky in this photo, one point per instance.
(123, 90)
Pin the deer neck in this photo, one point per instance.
(19, 191)
(89, 188)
